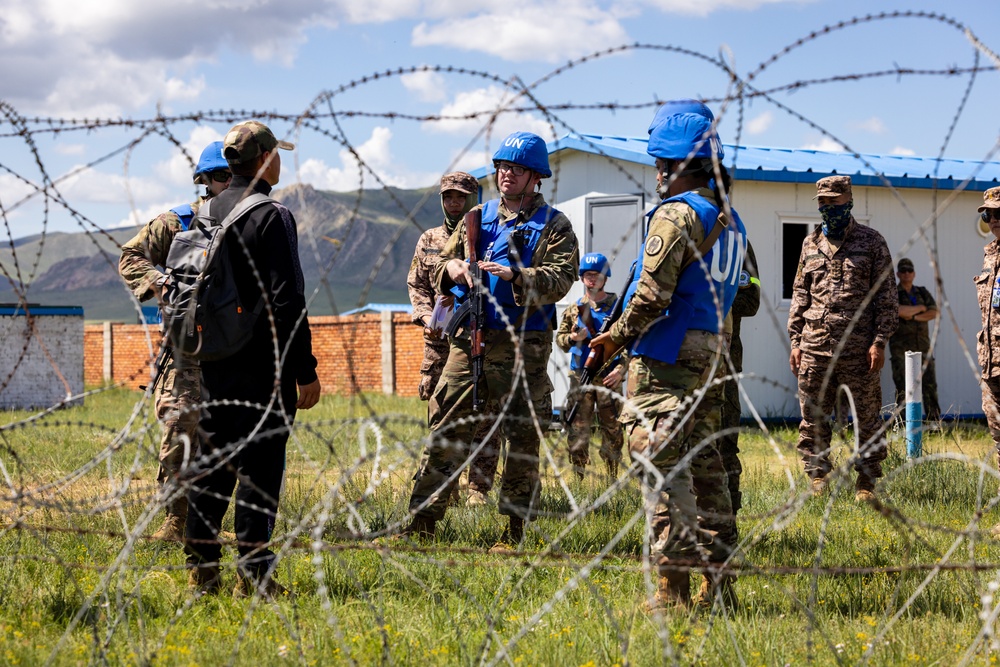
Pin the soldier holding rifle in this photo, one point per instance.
(526, 257)
(671, 324)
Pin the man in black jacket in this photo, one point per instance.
(269, 378)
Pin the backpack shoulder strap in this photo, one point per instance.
(244, 206)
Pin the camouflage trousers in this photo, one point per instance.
(817, 404)
(991, 406)
(518, 403)
(177, 400)
(483, 469)
(579, 431)
(678, 450)
(729, 441)
(928, 382)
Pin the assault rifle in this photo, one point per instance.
(595, 360)
(473, 308)
(160, 367)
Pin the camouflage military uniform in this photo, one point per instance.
(179, 391)
(607, 407)
(830, 324)
(483, 469)
(522, 403)
(914, 336)
(988, 339)
(663, 393)
(746, 304)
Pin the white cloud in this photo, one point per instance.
(825, 144)
(377, 154)
(91, 185)
(69, 149)
(140, 216)
(760, 124)
(706, 7)
(427, 85)
(900, 150)
(873, 125)
(523, 32)
(481, 103)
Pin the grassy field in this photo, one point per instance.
(828, 581)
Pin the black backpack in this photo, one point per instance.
(203, 316)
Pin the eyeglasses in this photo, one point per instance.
(515, 169)
(220, 176)
(990, 213)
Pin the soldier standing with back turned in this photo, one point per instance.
(178, 391)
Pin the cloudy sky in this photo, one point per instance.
(180, 60)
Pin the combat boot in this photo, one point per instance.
(172, 529)
(818, 485)
(717, 586)
(864, 489)
(477, 498)
(673, 591)
(246, 586)
(421, 527)
(204, 580)
(511, 537)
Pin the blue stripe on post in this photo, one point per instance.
(914, 430)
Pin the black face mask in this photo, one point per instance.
(836, 218)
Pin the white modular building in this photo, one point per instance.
(925, 208)
(41, 358)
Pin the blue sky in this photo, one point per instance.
(114, 58)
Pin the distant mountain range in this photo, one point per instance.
(347, 244)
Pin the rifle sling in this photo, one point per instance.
(705, 246)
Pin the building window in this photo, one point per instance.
(793, 232)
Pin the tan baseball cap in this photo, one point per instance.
(249, 140)
(461, 181)
(991, 199)
(833, 186)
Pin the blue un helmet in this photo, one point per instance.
(674, 107)
(211, 160)
(595, 261)
(525, 149)
(680, 135)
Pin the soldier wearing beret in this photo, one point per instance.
(842, 314)
(988, 340)
(916, 308)
(459, 195)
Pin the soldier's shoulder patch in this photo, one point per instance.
(744, 279)
(654, 245)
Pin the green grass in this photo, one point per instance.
(72, 590)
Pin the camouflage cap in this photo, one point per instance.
(248, 140)
(461, 181)
(991, 199)
(833, 186)
(905, 264)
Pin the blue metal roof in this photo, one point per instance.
(380, 308)
(15, 310)
(800, 165)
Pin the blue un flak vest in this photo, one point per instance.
(185, 213)
(692, 306)
(580, 351)
(495, 246)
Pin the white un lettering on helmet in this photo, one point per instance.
(515, 142)
(727, 257)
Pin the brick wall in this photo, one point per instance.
(348, 349)
(41, 360)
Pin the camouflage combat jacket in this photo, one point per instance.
(419, 280)
(988, 339)
(911, 334)
(831, 286)
(147, 250)
(568, 325)
(554, 264)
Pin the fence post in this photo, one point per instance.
(914, 406)
(388, 354)
(107, 370)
